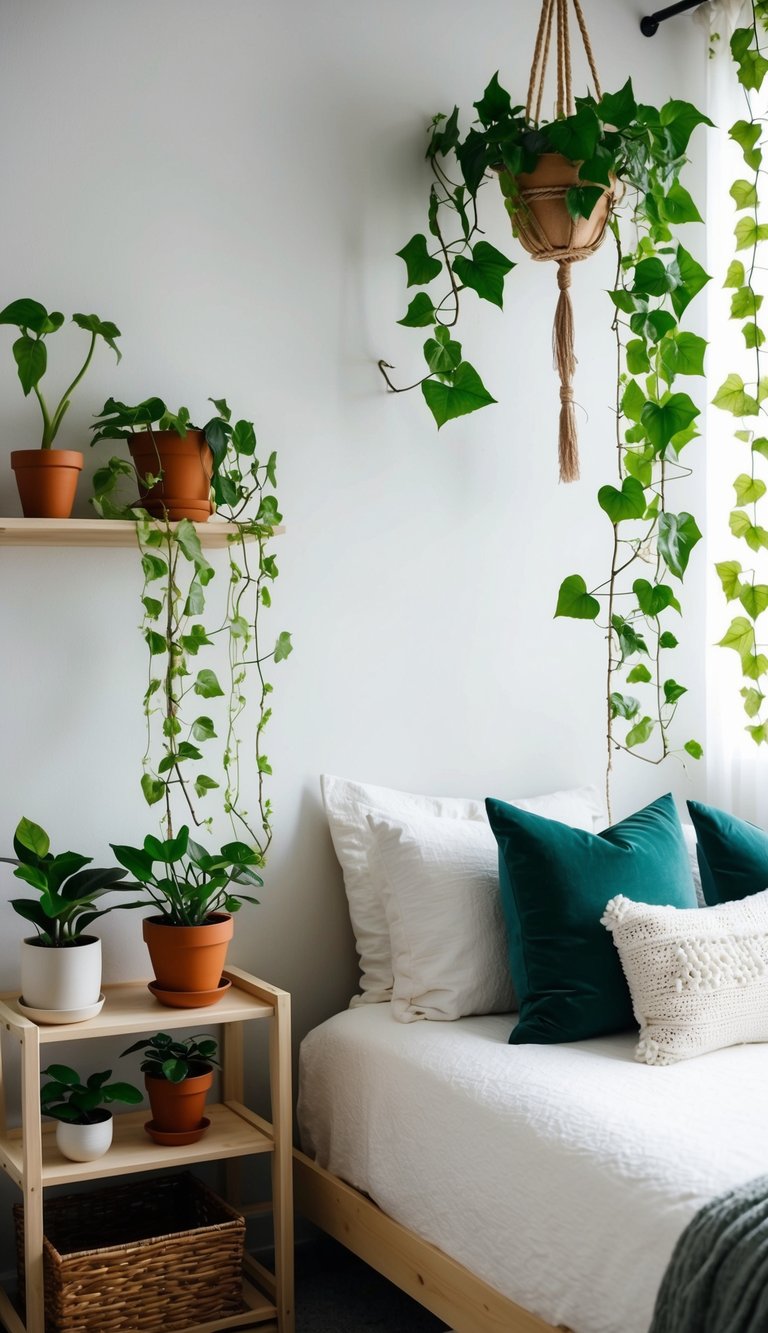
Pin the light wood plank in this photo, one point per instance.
(445, 1287)
(32, 1176)
(101, 532)
(133, 1150)
(130, 1008)
(282, 1160)
(232, 1089)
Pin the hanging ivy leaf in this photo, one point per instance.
(729, 572)
(678, 534)
(463, 394)
(420, 265)
(574, 601)
(664, 420)
(733, 397)
(640, 733)
(484, 272)
(639, 675)
(629, 502)
(420, 312)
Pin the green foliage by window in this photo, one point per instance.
(745, 581)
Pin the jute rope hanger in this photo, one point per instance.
(539, 212)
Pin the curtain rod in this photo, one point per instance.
(649, 25)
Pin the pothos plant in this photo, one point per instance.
(613, 140)
(183, 696)
(642, 149)
(746, 581)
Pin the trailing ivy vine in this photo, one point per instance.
(745, 396)
(186, 705)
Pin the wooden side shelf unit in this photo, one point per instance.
(30, 1158)
(99, 532)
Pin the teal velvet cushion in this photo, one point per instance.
(733, 855)
(555, 883)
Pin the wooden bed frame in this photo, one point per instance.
(465, 1302)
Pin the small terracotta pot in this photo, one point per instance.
(541, 221)
(186, 463)
(188, 958)
(47, 481)
(178, 1107)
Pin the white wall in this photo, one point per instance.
(229, 182)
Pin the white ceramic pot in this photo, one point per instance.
(68, 978)
(83, 1143)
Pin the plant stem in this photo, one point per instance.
(67, 394)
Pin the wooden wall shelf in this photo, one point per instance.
(97, 532)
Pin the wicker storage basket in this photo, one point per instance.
(146, 1256)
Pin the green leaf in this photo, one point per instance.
(623, 300)
(581, 200)
(420, 312)
(683, 354)
(735, 277)
(156, 642)
(465, 393)
(25, 314)
(204, 784)
(206, 684)
(732, 397)
(652, 278)
(749, 233)
(694, 749)
(623, 705)
(153, 789)
(484, 272)
(677, 206)
(667, 640)
(654, 598)
(574, 601)
(420, 265)
(32, 838)
(753, 700)
(244, 439)
(677, 536)
(752, 70)
(627, 503)
(746, 134)
(748, 489)
(639, 675)
(640, 733)
(103, 328)
(195, 640)
(283, 646)
(673, 691)
(664, 420)
(745, 303)
(754, 598)
(692, 278)
(636, 353)
(754, 336)
(203, 729)
(494, 104)
(31, 360)
(753, 534)
(679, 120)
(618, 109)
(744, 195)
(576, 137)
(629, 640)
(759, 733)
(740, 636)
(729, 572)
(639, 464)
(760, 446)
(633, 401)
(441, 353)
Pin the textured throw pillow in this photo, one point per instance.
(698, 980)
(733, 855)
(555, 883)
(348, 804)
(446, 925)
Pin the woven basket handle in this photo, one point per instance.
(565, 101)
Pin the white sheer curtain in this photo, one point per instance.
(737, 768)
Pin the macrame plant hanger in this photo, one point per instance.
(536, 202)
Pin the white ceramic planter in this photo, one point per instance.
(68, 978)
(83, 1143)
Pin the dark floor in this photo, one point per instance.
(337, 1293)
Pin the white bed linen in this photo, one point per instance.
(562, 1175)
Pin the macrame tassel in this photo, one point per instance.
(565, 364)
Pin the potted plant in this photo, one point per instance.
(176, 462)
(61, 966)
(195, 893)
(47, 477)
(84, 1125)
(178, 1076)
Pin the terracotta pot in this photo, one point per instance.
(535, 201)
(186, 463)
(178, 1107)
(47, 481)
(188, 958)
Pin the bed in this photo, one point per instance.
(514, 1189)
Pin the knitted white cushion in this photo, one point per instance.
(698, 977)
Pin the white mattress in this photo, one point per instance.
(563, 1175)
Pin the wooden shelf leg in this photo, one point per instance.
(232, 1090)
(282, 1164)
(32, 1149)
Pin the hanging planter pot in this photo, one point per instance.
(186, 464)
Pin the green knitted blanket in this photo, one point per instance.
(717, 1279)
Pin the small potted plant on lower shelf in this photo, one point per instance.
(84, 1125)
(194, 893)
(61, 966)
(178, 1076)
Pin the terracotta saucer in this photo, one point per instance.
(189, 999)
(167, 1140)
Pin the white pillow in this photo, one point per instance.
(446, 925)
(698, 976)
(348, 804)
